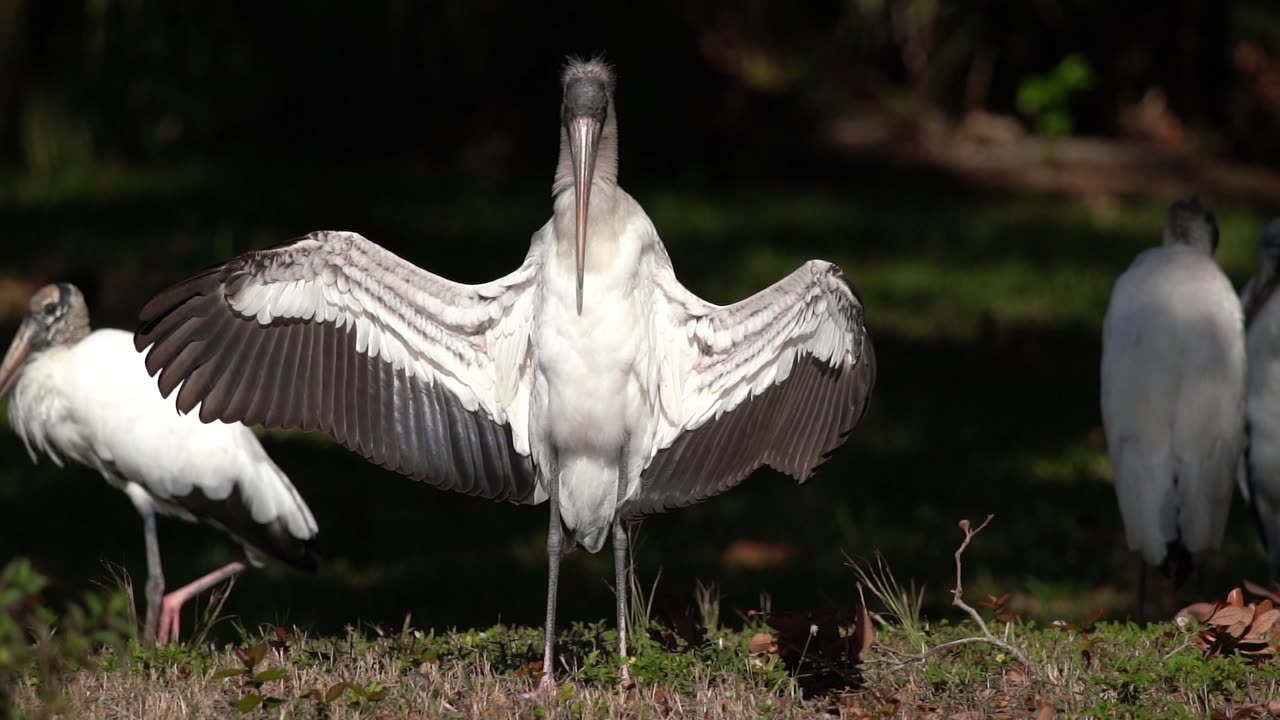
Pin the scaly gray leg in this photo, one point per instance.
(620, 561)
(155, 575)
(553, 577)
(620, 585)
(1142, 591)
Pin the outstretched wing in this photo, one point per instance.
(334, 333)
(779, 379)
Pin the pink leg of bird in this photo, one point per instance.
(171, 605)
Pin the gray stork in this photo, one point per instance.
(1173, 380)
(86, 396)
(1259, 474)
(589, 378)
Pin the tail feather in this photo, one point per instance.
(1145, 490)
(1178, 564)
(1204, 486)
(264, 512)
(270, 539)
(588, 499)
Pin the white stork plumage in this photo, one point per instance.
(1259, 475)
(87, 396)
(1173, 378)
(589, 377)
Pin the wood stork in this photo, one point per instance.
(87, 396)
(589, 377)
(1260, 467)
(1173, 379)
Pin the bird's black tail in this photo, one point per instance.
(1178, 564)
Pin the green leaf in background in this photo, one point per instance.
(248, 702)
(276, 673)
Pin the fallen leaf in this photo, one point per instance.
(1200, 612)
(1230, 615)
(1261, 591)
(762, 643)
(746, 554)
(1235, 597)
(1263, 621)
(864, 634)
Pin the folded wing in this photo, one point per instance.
(331, 332)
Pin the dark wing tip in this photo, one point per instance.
(865, 374)
(171, 308)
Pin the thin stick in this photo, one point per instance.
(960, 603)
(956, 599)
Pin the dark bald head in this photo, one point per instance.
(59, 311)
(588, 85)
(56, 316)
(1188, 223)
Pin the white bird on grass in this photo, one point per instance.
(87, 396)
(1260, 467)
(1173, 382)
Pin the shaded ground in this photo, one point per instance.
(1114, 671)
(985, 310)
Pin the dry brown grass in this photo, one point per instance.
(160, 688)
(990, 665)
(1109, 671)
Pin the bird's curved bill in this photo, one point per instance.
(11, 368)
(584, 136)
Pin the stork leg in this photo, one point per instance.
(155, 573)
(1140, 616)
(171, 605)
(620, 563)
(620, 590)
(553, 578)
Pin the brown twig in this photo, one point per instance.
(959, 602)
(987, 636)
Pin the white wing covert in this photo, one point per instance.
(331, 332)
(778, 379)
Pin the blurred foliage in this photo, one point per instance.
(151, 80)
(1045, 98)
(40, 647)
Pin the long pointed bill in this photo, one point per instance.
(584, 134)
(11, 368)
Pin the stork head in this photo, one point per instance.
(586, 115)
(1188, 223)
(1263, 284)
(56, 315)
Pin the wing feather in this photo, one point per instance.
(779, 379)
(333, 333)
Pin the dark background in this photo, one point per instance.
(981, 192)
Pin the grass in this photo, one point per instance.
(1113, 670)
(985, 309)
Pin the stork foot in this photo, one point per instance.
(170, 619)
